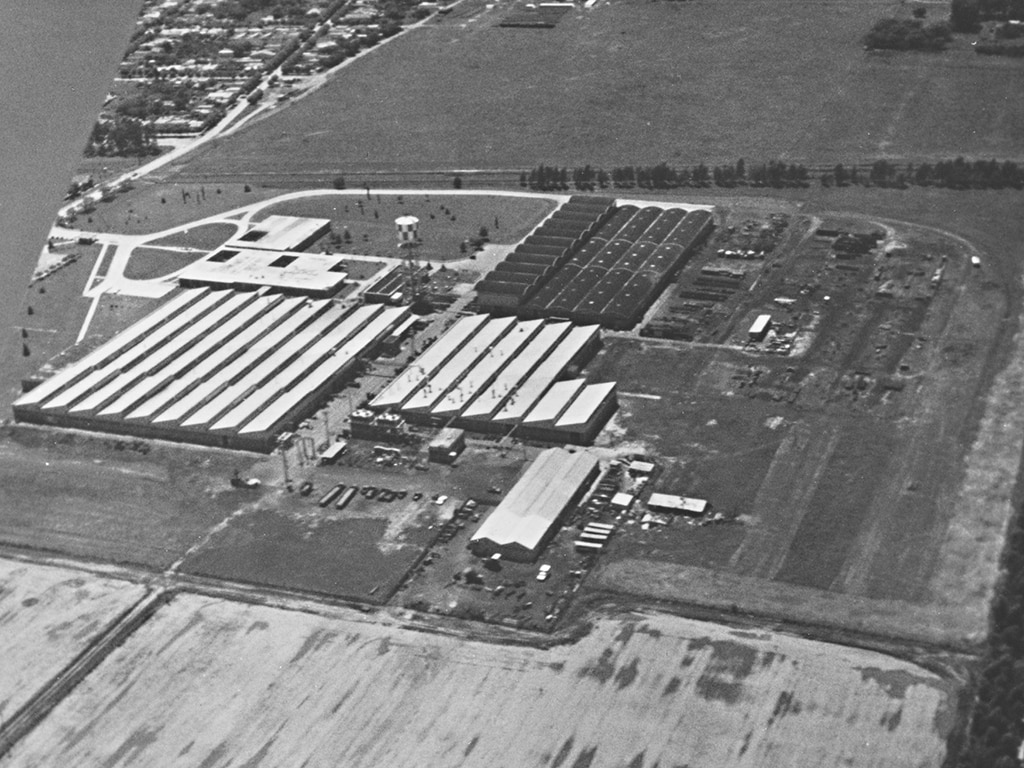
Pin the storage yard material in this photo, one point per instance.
(49, 615)
(678, 692)
(213, 367)
(522, 524)
(495, 374)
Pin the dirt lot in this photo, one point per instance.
(48, 616)
(839, 467)
(261, 684)
(638, 82)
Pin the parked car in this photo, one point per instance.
(306, 488)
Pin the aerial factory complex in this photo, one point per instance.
(346, 430)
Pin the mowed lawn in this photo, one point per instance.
(635, 81)
(257, 685)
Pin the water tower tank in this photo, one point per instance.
(408, 229)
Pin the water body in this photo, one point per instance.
(57, 60)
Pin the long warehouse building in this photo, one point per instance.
(522, 524)
(214, 367)
(496, 375)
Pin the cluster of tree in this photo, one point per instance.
(908, 35)
(996, 728)
(289, 11)
(951, 174)
(156, 98)
(121, 137)
(664, 176)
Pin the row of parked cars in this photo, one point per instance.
(340, 495)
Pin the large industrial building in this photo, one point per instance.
(214, 367)
(269, 254)
(499, 375)
(608, 270)
(526, 519)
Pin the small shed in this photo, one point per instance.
(447, 445)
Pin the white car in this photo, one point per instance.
(440, 500)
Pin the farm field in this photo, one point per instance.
(638, 689)
(49, 615)
(637, 83)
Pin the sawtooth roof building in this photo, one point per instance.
(522, 524)
(498, 375)
(214, 367)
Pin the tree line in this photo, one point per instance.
(775, 173)
(949, 174)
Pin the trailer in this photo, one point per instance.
(345, 498)
(331, 495)
(587, 547)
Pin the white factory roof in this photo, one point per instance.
(136, 352)
(487, 368)
(582, 409)
(436, 355)
(488, 401)
(536, 501)
(474, 349)
(523, 398)
(271, 311)
(234, 364)
(555, 400)
(281, 233)
(242, 363)
(291, 396)
(240, 376)
(302, 349)
(124, 340)
(242, 267)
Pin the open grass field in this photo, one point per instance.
(445, 221)
(271, 687)
(631, 82)
(147, 262)
(78, 494)
(48, 616)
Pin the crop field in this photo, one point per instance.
(839, 468)
(637, 83)
(48, 616)
(261, 684)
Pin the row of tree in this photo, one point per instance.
(997, 721)
(950, 174)
(663, 176)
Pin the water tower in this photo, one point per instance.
(408, 241)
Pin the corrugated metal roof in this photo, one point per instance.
(554, 401)
(536, 501)
(441, 381)
(432, 358)
(586, 405)
(488, 401)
